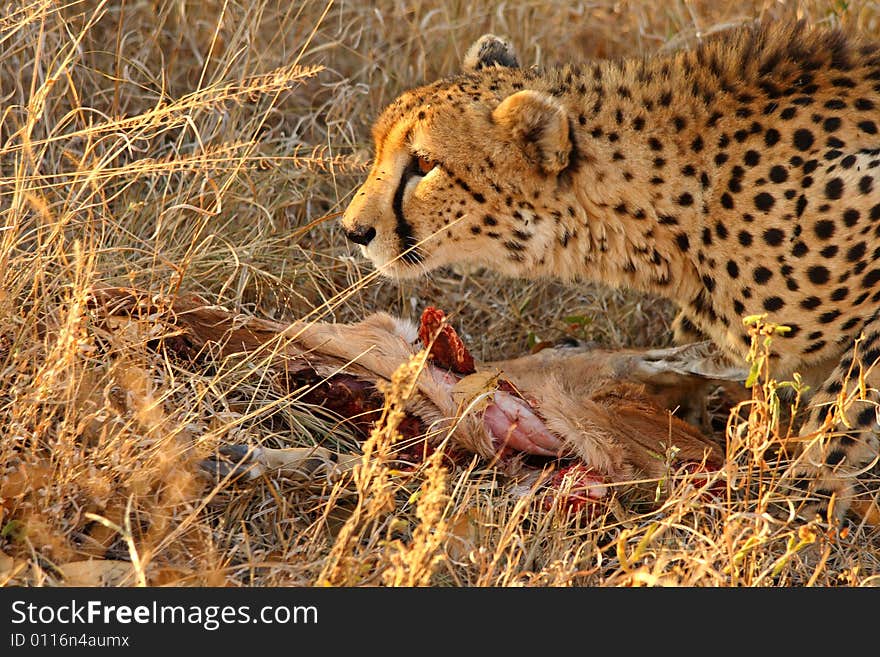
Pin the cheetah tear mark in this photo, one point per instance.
(408, 242)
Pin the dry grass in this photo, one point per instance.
(176, 145)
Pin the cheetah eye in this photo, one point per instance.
(424, 164)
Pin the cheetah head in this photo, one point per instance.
(457, 164)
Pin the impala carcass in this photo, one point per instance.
(608, 411)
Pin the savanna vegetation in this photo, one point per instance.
(207, 147)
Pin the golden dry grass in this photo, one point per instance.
(175, 145)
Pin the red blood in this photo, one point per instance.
(447, 349)
(578, 497)
(715, 491)
(356, 401)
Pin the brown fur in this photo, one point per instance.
(605, 417)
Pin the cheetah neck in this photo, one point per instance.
(639, 174)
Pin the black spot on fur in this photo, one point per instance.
(831, 124)
(828, 317)
(867, 417)
(818, 274)
(800, 249)
(868, 126)
(824, 229)
(764, 201)
(803, 139)
(811, 303)
(778, 174)
(834, 189)
(772, 304)
(856, 252)
(839, 294)
(762, 275)
(871, 278)
(773, 236)
(816, 346)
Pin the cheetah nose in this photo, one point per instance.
(362, 235)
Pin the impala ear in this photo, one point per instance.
(490, 50)
(538, 124)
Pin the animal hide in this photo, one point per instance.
(609, 410)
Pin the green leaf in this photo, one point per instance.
(577, 320)
(532, 339)
(754, 372)
(14, 529)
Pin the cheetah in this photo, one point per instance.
(737, 178)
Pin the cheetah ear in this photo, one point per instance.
(490, 50)
(537, 124)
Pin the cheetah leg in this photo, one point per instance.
(684, 331)
(841, 433)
